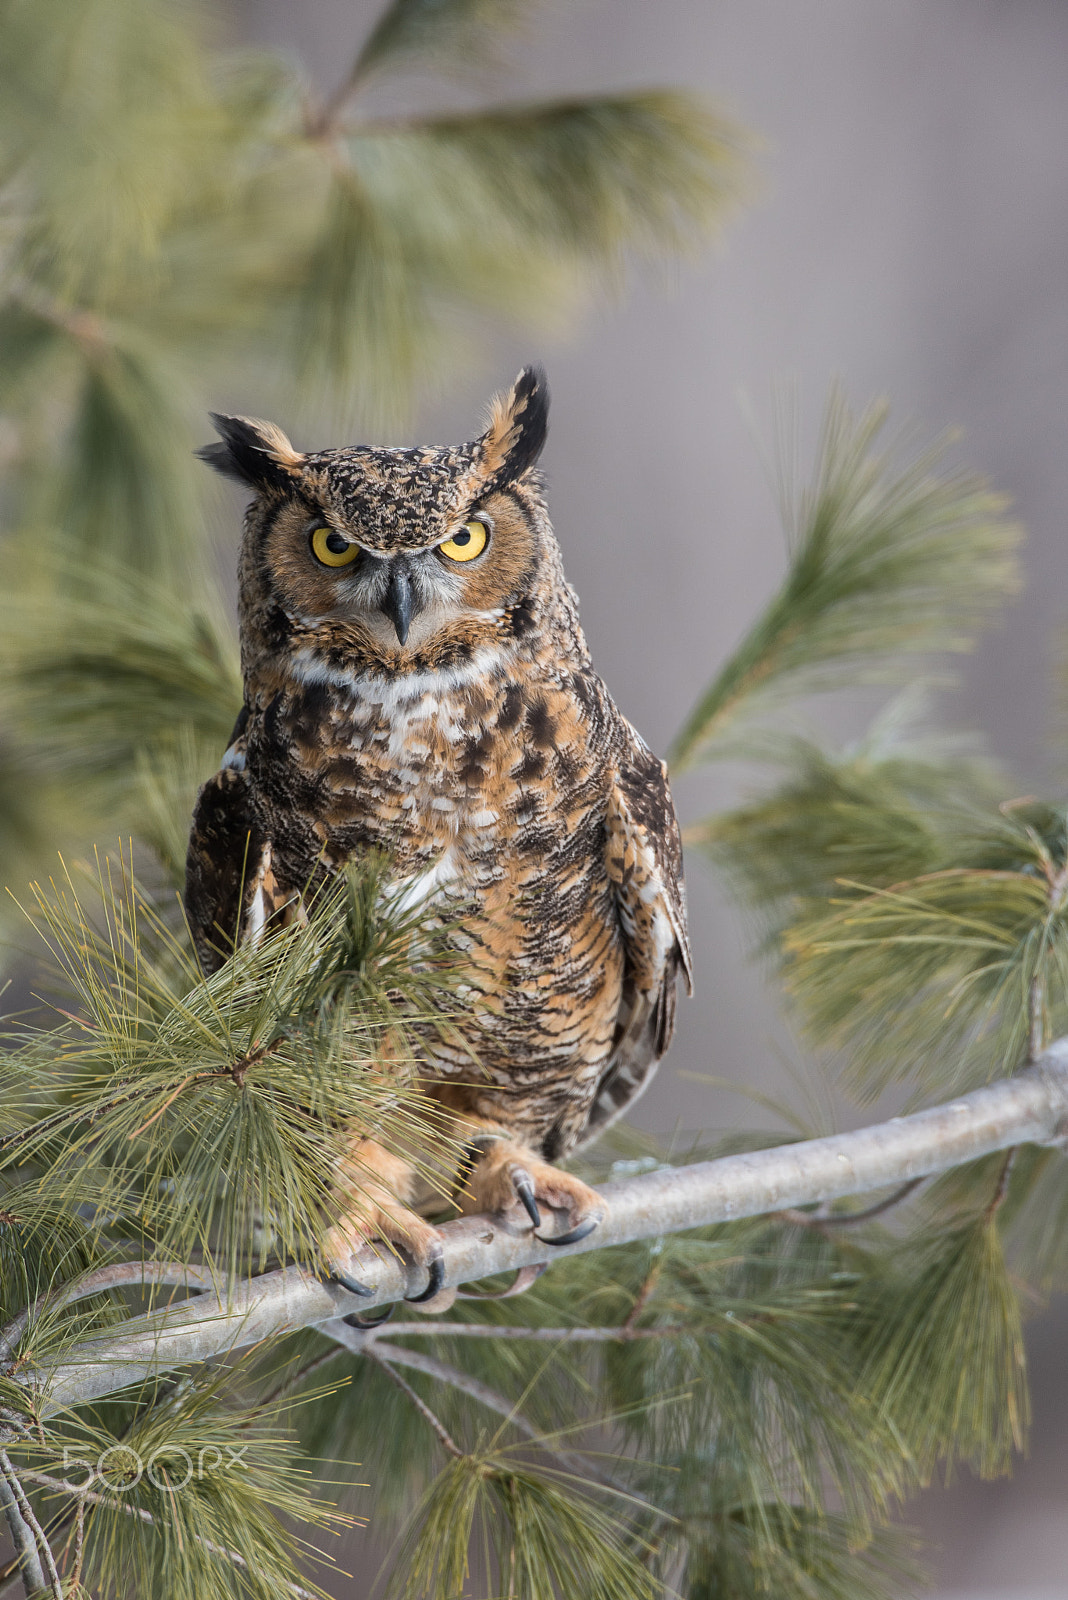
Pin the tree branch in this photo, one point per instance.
(1030, 1108)
(376, 1349)
(29, 1560)
(420, 1405)
(25, 1522)
(491, 1330)
(845, 1219)
(116, 1275)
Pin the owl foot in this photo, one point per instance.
(373, 1180)
(507, 1173)
(344, 1241)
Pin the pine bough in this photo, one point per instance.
(1029, 1108)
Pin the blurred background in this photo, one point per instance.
(907, 233)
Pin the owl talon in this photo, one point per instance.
(353, 1285)
(581, 1230)
(354, 1319)
(523, 1184)
(435, 1266)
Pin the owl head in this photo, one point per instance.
(405, 557)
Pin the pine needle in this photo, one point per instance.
(188, 1490)
(538, 1538)
(785, 1553)
(967, 946)
(442, 33)
(946, 1354)
(871, 815)
(106, 109)
(121, 696)
(522, 208)
(213, 1114)
(887, 563)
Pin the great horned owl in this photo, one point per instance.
(416, 681)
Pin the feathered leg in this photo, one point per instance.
(373, 1186)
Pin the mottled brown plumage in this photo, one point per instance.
(444, 709)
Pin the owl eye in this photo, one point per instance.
(332, 548)
(466, 544)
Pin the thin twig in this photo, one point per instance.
(255, 1053)
(26, 1512)
(27, 1564)
(292, 1382)
(235, 1070)
(136, 1133)
(116, 1275)
(845, 1219)
(1002, 1188)
(84, 326)
(52, 1530)
(321, 124)
(79, 1545)
(1036, 1033)
(14, 1421)
(472, 1387)
(489, 1330)
(642, 1298)
(70, 1114)
(420, 1405)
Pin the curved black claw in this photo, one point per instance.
(436, 1268)
(582, 1230)
(353, 1285)
(521, 1283)
(523, 1184)
(354, 1320)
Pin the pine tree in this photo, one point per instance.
(729, 1391)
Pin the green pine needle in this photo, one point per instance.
(521, 208)
(785, 1553)
(877, 815)
(1033, 1214)
(197, 1489)
(106, 112)
(213, 1113)
(1036, 1227)
(104, 672)
(120, 695)
(443, 33)
(946, 1354)
(538, 1536)
(887, 563)
(121, 487)
(973, 949)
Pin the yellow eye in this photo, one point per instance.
(332, 548)
(467, 544)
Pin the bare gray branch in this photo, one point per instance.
(1030, 1108)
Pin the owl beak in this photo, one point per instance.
(398, 602)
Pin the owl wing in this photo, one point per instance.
(644, 858)
(225, 856)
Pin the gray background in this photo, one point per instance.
(911, 239)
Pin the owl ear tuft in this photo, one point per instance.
(254, 452)
(519, 422)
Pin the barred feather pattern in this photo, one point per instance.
(484, 755)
